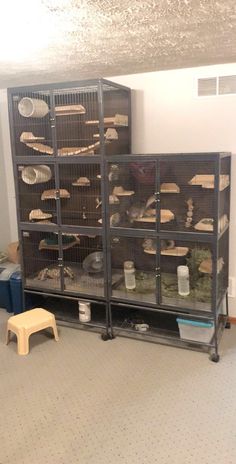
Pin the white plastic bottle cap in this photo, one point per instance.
(183, 271)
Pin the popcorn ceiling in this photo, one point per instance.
(103, 38)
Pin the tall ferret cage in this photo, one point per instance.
(60, 137)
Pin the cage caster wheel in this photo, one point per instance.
(112, 336)
(215, 358)
(105, 337)
(228, 325)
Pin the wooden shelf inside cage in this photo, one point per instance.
(68, 110)
(169, 187)
(44, 246)
(64, 151)
(176, 251)
(166, 216)
(119, 120)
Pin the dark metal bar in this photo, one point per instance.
(66, 294)
(186, 236)
(104, 198)
(15, 172)
(175, 341)
(83, 159)
(96, 328)
(160, 309)
(53, 86)
(215, 252)
(38, 227)
(130, 120)
(114, 84)
(167, 157)
(158, 225)
(82, 230)
(81, 325)
(36, 159)
(227, 304)
(125, 232)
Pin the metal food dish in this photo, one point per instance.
(93, 263)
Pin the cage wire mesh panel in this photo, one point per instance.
(74, 109)
(132, 202)
(84, 266)
(116, 120)
(186, 274)
(83, 182)
(224, 196)
(68, 310)
(139, 285)
(222, 265)
(32, 123)
(143, 321)
(40, 259)
(37, 194)
(187, 191)
(59, 125)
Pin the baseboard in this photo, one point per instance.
(232, 320)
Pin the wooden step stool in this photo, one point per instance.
(25, 324)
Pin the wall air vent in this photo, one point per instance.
(219, 85)
(207, 86)
(227, 84)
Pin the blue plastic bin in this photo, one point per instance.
(31, 301)
(16, 292)
(6, 271)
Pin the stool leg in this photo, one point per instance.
(8, 335)
(55, 332)
(23, 342)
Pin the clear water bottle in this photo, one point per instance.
(129, 271)
(183, 280)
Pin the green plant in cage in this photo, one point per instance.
(203, 289)
(193, 262)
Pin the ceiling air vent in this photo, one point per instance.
(227, 84)
(207, 86)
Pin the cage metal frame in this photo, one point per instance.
(106, 231)
(56, 161)
(220, 321)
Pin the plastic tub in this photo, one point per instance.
(16, 292)
(17, 295)
(6, 271)
(195, 330)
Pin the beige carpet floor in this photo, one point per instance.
(86, 401)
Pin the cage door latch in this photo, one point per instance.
(157, 197)
(52, 120)
(158, 272)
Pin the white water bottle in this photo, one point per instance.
(84, 311)
(129, 271)
(183, 280)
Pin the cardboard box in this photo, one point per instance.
(13, 252)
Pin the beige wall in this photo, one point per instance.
(167, 117)
(4, 208)
(9, 227)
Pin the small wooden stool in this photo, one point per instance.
(24, 324)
